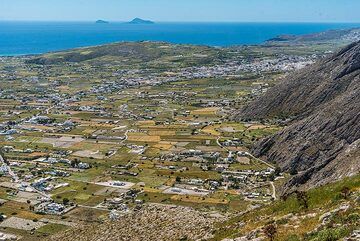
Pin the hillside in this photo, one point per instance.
(322, 142)
(330, 213)
(152, 222)
(133, 53)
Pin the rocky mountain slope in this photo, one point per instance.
(152, 222)
(322, 143)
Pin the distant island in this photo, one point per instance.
(101, 21)
(140, 21)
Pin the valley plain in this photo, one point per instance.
(120, 135)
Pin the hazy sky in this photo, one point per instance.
(183, 10)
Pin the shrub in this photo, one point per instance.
(353, 218)
(66, 201)
(270, 231)
(292, 237)
(293, 172)
(331, 234)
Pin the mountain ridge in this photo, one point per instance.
(324, 102)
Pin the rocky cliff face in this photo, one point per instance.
(323, 141)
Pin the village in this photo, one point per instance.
(84, 142)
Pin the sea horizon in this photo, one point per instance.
(18, 38)
(127, 21)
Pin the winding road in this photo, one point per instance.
(273, 190)
(273, 195)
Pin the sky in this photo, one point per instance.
(182, 10)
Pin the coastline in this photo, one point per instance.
(19, 38)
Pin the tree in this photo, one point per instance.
(270, 231)
(272, 176)
(345, 192)
(284, 197)
(293, 172)
(74, 163)
(277, 171)
(302, 198)
(66, 201)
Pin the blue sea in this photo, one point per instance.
(20, 38)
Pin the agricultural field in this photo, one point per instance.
(96, 138)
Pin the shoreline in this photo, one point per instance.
(88, 34)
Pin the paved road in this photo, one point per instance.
(273, 190)
(97, 208)
(258, 159)
(126, 135)
(246, 153)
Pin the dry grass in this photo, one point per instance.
(163, 145)
(139, 137)
(37, 154)
(205, 111)
(211, 130)
(195, 199)
(146, 123)
(162, 133)
(257, 127)
(21, 210)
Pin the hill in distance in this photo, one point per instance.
(101, 22)
(140, 21)
(322, 143)
(133, 53)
